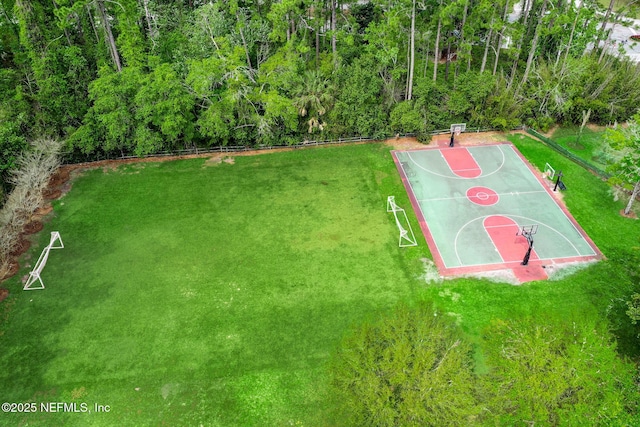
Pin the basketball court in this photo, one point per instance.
(480, 207)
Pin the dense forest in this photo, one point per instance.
(142, 76)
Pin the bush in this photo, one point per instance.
(412, 368)
(34, 169)
(556, 375)
(416, 368)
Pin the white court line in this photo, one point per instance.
(513, 193)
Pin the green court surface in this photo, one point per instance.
(472, 201)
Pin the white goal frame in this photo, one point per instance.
(407, 238)
(34, 276)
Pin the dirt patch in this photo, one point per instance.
(61, 176)
(218, 159)
(44, 210)
(464, 139)
(4, 293)
(213, 161)
(21, 247)
(470, 138)
(400, 143)
(405, 143)
(478, 138)
(551, 131)
(51, 193)
(33, 227)
(596, 128)
(496, 276)
(114, 164)
(631, 214)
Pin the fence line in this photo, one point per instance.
(72, 158)
(568, 154)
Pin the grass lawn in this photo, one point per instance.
(191, 293)
(587, 146)
(194, 294)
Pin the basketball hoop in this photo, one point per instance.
(458, 128)
(527, 231)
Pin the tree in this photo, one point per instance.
(357, 109)
(436, 57)
(429, 96)
(602, 31)
(110, 39)
(313, 99)
(412, 50)
(112, 118)
(625, 150)
(551, 374)
(164, 111)
(411, 368)
(501, 33)
(534, 44)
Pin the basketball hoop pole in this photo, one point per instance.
(525, 261)
(527, 232)
(559, 175)
(455, 130)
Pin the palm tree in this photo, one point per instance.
(314, 98)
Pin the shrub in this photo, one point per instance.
(34, 169)
(412, 368)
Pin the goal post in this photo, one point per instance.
(35, 281)
(406, 238)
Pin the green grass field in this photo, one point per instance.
(191, 293)
(587, 146)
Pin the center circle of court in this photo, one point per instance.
(482, 196)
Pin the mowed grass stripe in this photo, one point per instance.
(218, 291)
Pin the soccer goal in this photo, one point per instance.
(34, 276)
(407, 238)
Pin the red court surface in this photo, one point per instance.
(472, 201)
(483, 196)
(462, 163)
